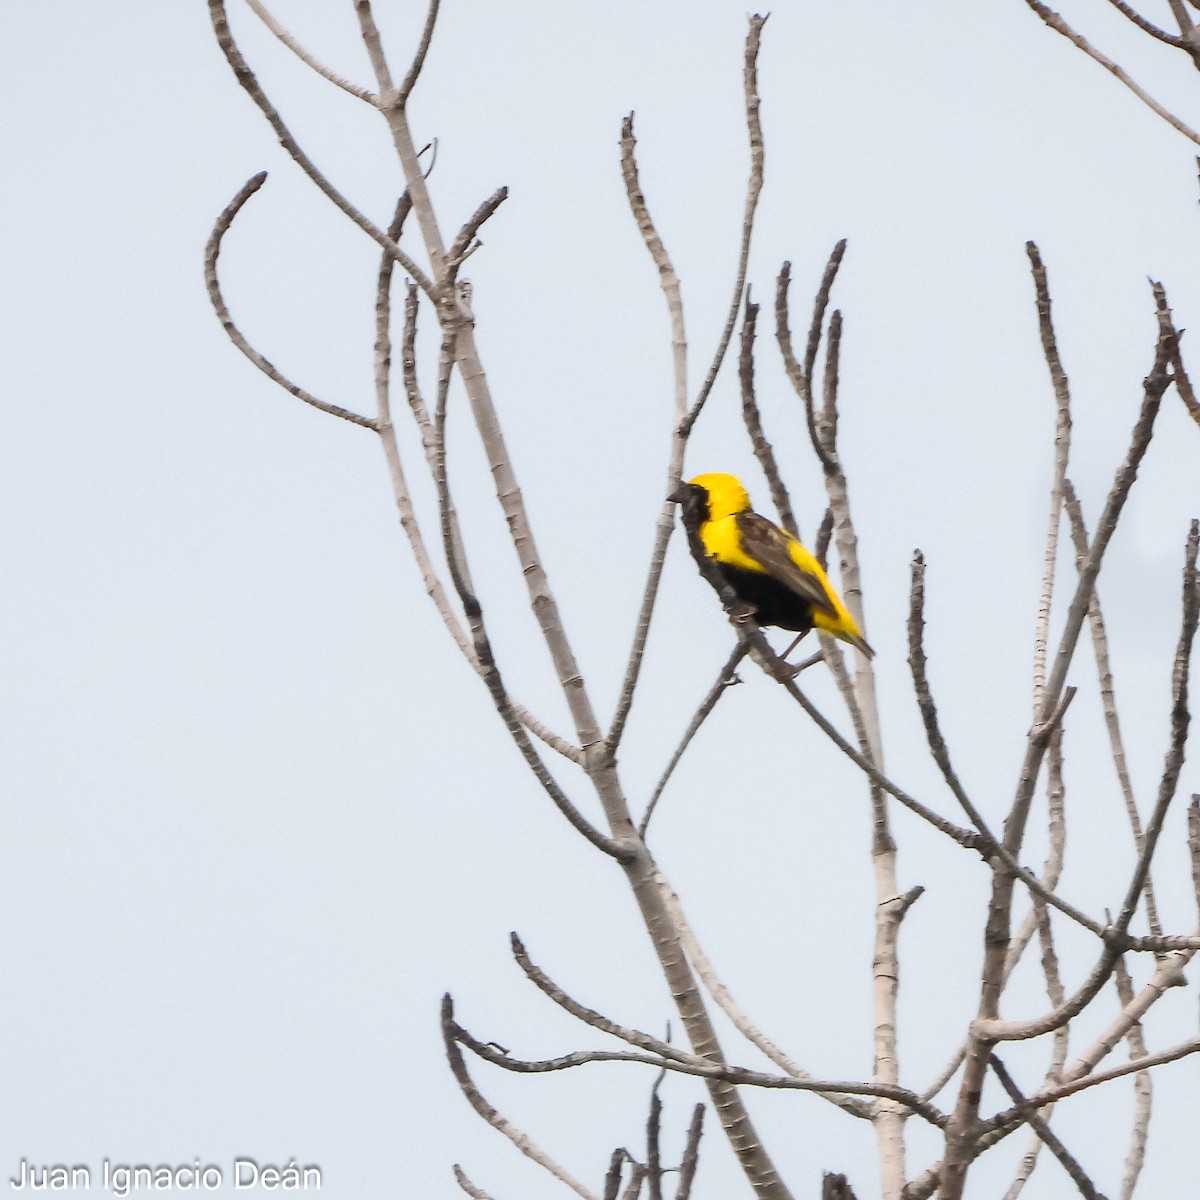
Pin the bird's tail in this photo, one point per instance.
(856, 640)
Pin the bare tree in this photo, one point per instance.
(966, 1127)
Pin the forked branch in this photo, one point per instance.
(1056, 22)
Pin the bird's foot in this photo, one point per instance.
(793, 669)
(741, 612)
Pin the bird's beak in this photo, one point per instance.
(679, 494)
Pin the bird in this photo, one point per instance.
(774, 577)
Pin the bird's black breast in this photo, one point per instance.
(775, 603)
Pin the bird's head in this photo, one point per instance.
(711, 497)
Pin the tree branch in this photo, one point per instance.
(1153, 30)
(689, 1065)
(669, 282)
(801, 376)
(414, 71)
(753, 190)
(491, 1115)
(691, 1155)
(476, 1193)
(996, 937)
(211, 252)
(726, 679)
(1180, 719)
(1070, 1164)
(1108, 698)
(1051, 18)
(260, 10)
(246, 77)
(753, 421)
(726, 1002)
(1062, 447)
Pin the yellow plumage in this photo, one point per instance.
(770, 571)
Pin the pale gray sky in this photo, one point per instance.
(257, 814)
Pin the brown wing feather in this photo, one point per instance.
(768, 545)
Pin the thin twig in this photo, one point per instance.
(918, 664)
(1056, 835)
(1050, 969)
(691, 1064)
(654, 1167)
(1051, 871)
(1180, 718)
(1153, 388)
(408, 362)
(990, 1030)
(211, 253)
(669, 281)
(653, 1140)
(1051, 18)
(1062, 447)
(473, 610)
(824, 534)
(1149, 27)
(753, 420)
(452, 303)
(589, 1016)
(463, 244)
(411, 75)
(260, 10)
(725, 679)
(823, 443)
(988, 1133)
(393, 109)
(691, 1155)
(964, 837)
(472, 1190)
(1143, 1089)
(726, 1002)
(828, 420)
(404, 504)
(1070, 1164)
(1108, 700)
(760, 650)
(981, 840)
(945, 1074)
(753, 190)
(1057, 1092)
(801, 376)
(491, 1115)
(860, 696)
(246, 77)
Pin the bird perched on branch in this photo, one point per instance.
(773, 576)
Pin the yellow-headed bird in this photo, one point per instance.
(768, 569)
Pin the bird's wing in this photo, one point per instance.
(784, 559)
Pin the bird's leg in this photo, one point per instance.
(810, 661)
(794, 669)
(795, 642)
